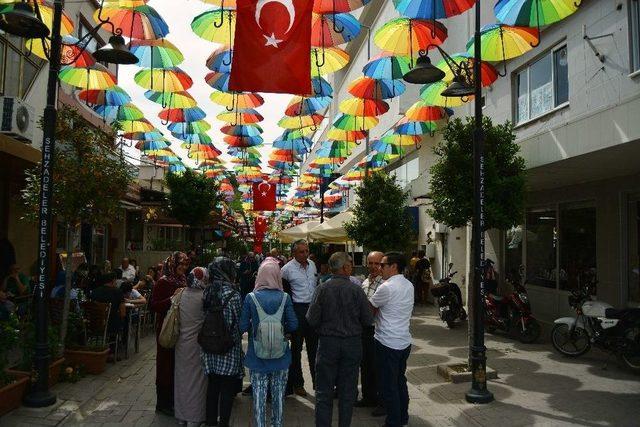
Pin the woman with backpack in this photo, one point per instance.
(268, 316)
(221, 341)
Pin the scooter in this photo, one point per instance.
(449, 300)
(512, 313)
(599, 324)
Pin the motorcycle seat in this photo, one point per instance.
(615, 313)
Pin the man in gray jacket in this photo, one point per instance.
(338, 312)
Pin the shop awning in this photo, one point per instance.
(300, 231)
(332, 230)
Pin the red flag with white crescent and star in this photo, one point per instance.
(264, 196)
(272, 47)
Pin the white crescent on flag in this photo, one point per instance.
(288, 4)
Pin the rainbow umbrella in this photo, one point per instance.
(152, 145)
(489, 72)
(333, 29)
(387, 66)
(369, 88)
(193, 138)
(199, 126)
(220, 60)
(327, 60)
(346, 135)
(534, 13)
(182, 114)
(501, 42)
(337, 6)
(300, 121)
(222, 3)
(421, 111)
(94, 77)
(135, 126)
(404, 36)
(302, 105)
(431, 94)
(160, 53)
(177, 167)
(218, 81)
(321, 87)
(70, 50)
(217, 26)
(297, 133)
(236, 100)
(242, 130)
(124, 3)
(406, 127)
(180, 99)
(138, 22)
(119, 113)
(113, 96)
(143, 136)
(46, 12)
(243, 141)
(359, 123)
(163, 80)
(364, 107)
(432, 9)
(390, 137)
(391, 151)
(241, 117)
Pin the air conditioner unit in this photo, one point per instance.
(440, 228)
(18, 118)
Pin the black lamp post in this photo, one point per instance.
(23, 22)
(469, 82)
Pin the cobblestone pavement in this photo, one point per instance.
(535, 387)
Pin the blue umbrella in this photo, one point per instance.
(321, 87)
(220, 61)
(299, 145)
(432, 9)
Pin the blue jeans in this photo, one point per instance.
(392, 366)
(261, 384)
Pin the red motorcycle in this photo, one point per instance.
(511, 313)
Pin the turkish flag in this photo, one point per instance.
(264, 196)
(272, 47)
(260, 224)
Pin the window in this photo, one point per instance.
(634, 34)
(407, 172)
(18, 68)
(83, 30)
(542, 240)
(542, 86)
(577, 246)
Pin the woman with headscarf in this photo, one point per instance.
(224, 371)
(190, 388)
(268, 375)
(172, 280)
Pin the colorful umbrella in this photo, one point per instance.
(369, 88)
(70, 50)
(121, 112)
(300, 145)
(220, 60)
(113, 96)
(301, 105)
(199, 126)
(489, 73)
(405, 127)
(327, 60)
(237, 100)
(217, 26)
(241, 117)
(364, 107)
(152, 145)
(46, 12)
(193, 138)
(431, 95)
(139, 22)
(501, 42)
(432, 9)
(387, 66)
(404, 36)
(421, 111)
(171, 99)
(337, 6)
(163, 80)
(160, 53)
(94, 77)
(300, 121)
(534, 13)
(131, 126)
(182, 114)
(218, 81)
(358, 123)
(243, 141)
(321, 87)
(346, 135)
(333, 29)
(393, 138)
(153, 135)
(242, 130)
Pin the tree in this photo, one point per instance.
(452, 176)
(192, 197)
(89, 179)
(380, 219)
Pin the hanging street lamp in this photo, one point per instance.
(22, 21)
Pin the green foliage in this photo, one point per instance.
(9, 337)
(192, 198)
(28, 342)
(89, 175)
(380, 220)
(452, 176)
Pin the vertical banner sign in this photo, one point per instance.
(264, 196)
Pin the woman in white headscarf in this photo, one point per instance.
(190, 380)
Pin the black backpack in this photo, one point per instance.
(214, 336)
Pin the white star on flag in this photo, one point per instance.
(271, 40)
(264, 194)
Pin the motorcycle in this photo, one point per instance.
(599, 324)
(449, 300)
(512, 313)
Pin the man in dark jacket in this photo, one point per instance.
(338, 312)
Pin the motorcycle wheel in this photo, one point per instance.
(531, 332)
(630, 356)
(571, 346)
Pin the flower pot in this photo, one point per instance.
(54, 371)
(93, 361)
(11, 394)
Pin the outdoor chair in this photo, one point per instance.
(97, 325)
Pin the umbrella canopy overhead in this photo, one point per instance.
(404, 36)
(534, 13)
(96, 76)
(160, 53)
(113, 96)
(432, 9)
(501, 42)
(138, 22)
(217, 25)
(333, 29)
(163, 80)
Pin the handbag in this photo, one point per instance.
(171, 324)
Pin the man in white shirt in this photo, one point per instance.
(393, 303)
(128, 270)
(302, 276)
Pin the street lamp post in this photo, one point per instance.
(468, 82)
(23, 22)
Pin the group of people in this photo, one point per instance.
(347, 328)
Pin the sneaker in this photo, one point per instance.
(379, 411)
(300, 391)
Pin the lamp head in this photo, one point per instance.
(458, 88)
(115, 52)
(424, 72)
(22, 22)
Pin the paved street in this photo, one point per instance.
(535, 387)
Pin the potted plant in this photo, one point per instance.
(12, 385)
(93, 358)
(28, 339)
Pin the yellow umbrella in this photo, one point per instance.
(142, 125)
(235, 100)
(327, 60)
(95, 77)
(300, 121)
